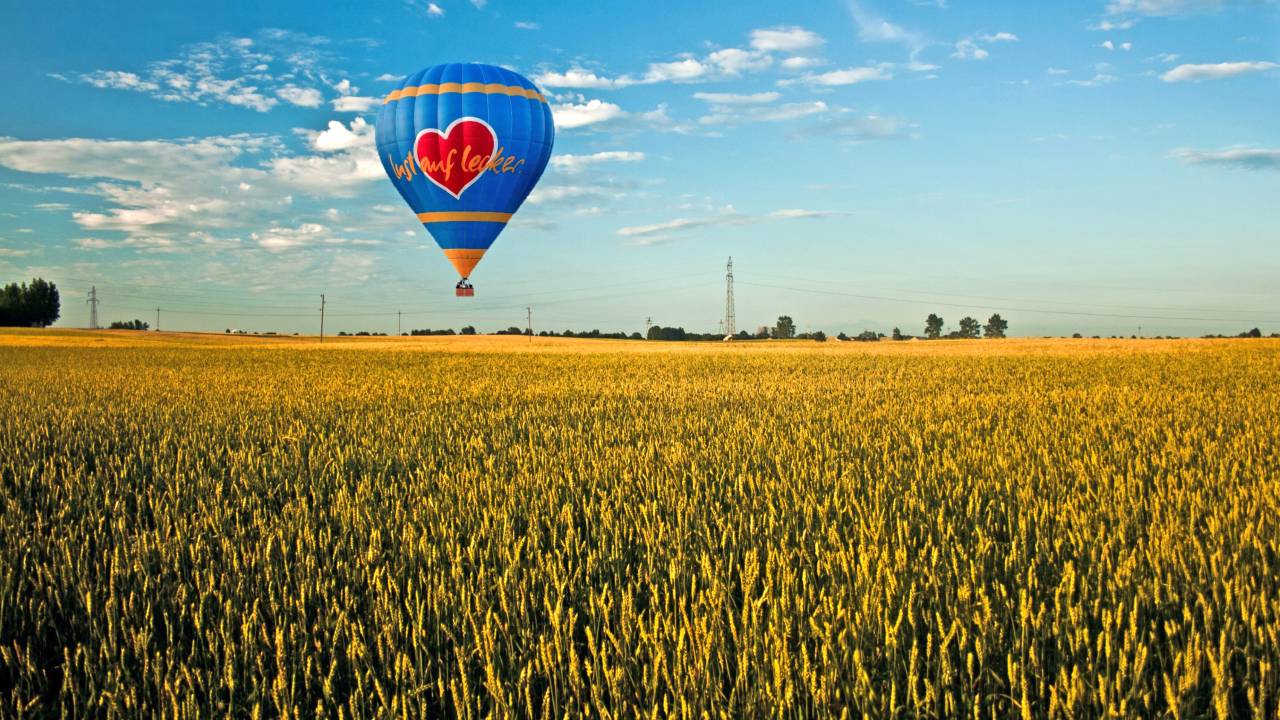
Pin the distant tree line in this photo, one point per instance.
(34, 304)
(128, 325)
(1254, 333)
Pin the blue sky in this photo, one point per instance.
(1090, 166)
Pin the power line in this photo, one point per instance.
(1013, 299)
(997, 309)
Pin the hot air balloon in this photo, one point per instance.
(464, 144)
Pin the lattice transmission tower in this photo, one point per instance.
(93, 307)
(730, 322)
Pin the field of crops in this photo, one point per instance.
(491, 527)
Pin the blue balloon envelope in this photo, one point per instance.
(465, 144)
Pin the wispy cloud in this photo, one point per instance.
(1124, 14)
(1215, 71)
(874, 28)
(257, 73)
(737, 98)
(784, 39)
(153, 199)
(1248, 158)
(661, 232)
(721, 64)
(847, 76)
(1098, 80)
(576, 163)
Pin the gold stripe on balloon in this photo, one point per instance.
(471, 87)
(463, 216)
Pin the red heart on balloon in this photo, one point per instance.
(457, 157)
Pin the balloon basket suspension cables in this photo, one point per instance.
(464, 289)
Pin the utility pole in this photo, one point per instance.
(648, 322)
(321, 317)
(93, 307)
(730, 322)
(397, 323)
(157, 319)
(528, 312)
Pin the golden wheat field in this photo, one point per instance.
(488, 527)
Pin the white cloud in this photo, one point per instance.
(581, 79)
(737, 115)
(250, 72)
(1109, 25)
(690, 68)
(346, 161)
(389, 77)
(874, 28)
(575, 163)
(844, 123)
(999, 37)
(658, 119)
(1124, 14)
(848, 76)
(338, 137)
(300, 96)
(355, 103)
(1247, 158)
(575, 115)
(284, 238)
(686, 70)
(1058, 71)
(800, 63)
(1162, 8)
(1166, 58)
(784, 39)
(733, 61)
(1215, 71)
(737, 99)
(1107, 44)
(434, 10)
(660, 232)
(151, 195)
(967, 49)
(796, 213)
(551, 194)
(1098, 80)
(118, 81)
(680, 224)
(525, 25)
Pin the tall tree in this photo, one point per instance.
(933, 326)
(969, 327)
(995, 326)
(12, 307)
(785, 329)
(27, 305)
(43, 304)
